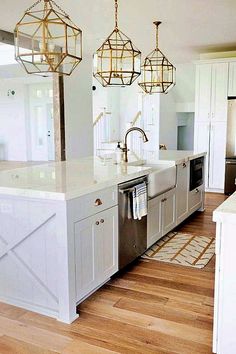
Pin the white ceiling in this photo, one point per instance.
(189, 27)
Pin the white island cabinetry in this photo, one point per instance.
(182, 191)
(224, 340)
(96, 251)
(59, 233)
(161, 216)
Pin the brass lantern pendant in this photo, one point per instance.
(47, 41)
(158, 74)
(117, 62)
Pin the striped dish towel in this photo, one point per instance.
(139, 196)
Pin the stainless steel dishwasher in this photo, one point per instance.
(132, 233)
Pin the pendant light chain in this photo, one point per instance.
(32, 6)
(157, 24)
(157, 34)
(116, 14)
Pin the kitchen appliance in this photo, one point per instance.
(230, 162)
(196, 173)
(132, 233)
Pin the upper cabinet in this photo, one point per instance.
(203, 92)
(232, 80)
(211, 92)
(219, 92)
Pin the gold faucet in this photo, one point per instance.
(125, 148)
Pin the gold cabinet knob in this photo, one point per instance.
(97, 223)
(98, 202)
(102, 221)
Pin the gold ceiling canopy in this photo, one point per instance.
(117, 62)
(47, 41)
(157, 74)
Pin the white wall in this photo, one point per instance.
(185, 131)
(13, 144)
(168, 121)
(78, 111)
(129, 105)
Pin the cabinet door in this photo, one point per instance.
(169, 211)
(182, 189)
(96, 251)
(107, 244)
(203, 92)
(219, 99)
(86, 233)
(154, 226)
(217, 155)
(195, 199)
(202, 143)
(232, 80)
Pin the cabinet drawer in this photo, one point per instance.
(195, 199)
(93, 203)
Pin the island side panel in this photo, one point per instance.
(34, 256)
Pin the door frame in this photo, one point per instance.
(58, 105)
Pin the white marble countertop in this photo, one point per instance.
(67, 180)
(74, 178)
(226, 211)
(179, 156)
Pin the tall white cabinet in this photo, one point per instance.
(211, 119)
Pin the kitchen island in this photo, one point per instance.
(59, 228)
(224, 341)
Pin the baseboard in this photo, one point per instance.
(29, 307)
(209, 190)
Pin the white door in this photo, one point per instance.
(182, 189)
(217, 155)
(203, 92)
(50, 132)
(41, 133)
(107, 244)
(219, 100)
(169, 212)
(154, 226)
(232, 80)
(202, 143)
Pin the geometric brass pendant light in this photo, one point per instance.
(117, 62)
(47, 41)
(158, 74)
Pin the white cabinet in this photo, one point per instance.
(217, 155)
(219, 102)
(154, 220)
(211, 120)
(232, 80)
(169, 211)
(161, 216)
(203, 92)
(224, 339)
(96, 251)
(195, 199)
(202, 143)
(182, 188)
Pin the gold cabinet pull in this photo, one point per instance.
(98, 202)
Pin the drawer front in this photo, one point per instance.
(93, 203)
(195, 199)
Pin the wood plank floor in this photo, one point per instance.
(152, 307)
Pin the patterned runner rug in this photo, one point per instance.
(184, 249)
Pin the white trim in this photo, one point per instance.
(30, 307)
(214, 60)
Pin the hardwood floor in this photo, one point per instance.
(152, 307)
